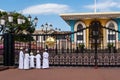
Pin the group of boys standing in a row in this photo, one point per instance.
(27, 61)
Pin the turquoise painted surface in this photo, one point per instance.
(72, 23)
(118, 23)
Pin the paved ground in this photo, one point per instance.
(3, 68)
(62, 73)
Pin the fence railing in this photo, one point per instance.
(64, 53)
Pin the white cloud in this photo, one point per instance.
(104, 5)
(2, 10)
(49, 8)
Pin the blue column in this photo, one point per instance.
(118, 23)
(72, 24)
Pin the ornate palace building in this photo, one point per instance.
(108, 26)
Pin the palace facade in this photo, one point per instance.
(107, 23)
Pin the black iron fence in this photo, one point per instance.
(65, 51)
(86, 59)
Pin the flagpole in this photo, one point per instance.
(95, 6)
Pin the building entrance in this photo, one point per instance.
(95, 34)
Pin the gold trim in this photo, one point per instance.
(50, 41)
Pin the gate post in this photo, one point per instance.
(95, 35)
(9, 55)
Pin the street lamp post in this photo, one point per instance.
(8, 31)
(33, 24)
(46, 28)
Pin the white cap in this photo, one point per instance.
(37, 51)
(46, 49)
(26, 49)
(21, 48)
(31, 53)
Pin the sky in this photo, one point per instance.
(49, 10)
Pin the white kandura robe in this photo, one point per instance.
(45, 60)
(38, 61)
(32, 64)
(21, 60)
(26, 61)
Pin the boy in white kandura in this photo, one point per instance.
(32, 64)
(38, 60)
(26, 59)
(21, 59)
(45, 63)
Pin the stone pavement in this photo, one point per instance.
(62, 73)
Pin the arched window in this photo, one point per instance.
(111, 25)
(79, 27)
(80, 34)
(111, 34)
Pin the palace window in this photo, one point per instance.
(111, 34)
(80, 34)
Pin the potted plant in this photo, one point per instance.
(110, 46)
(81, 46)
